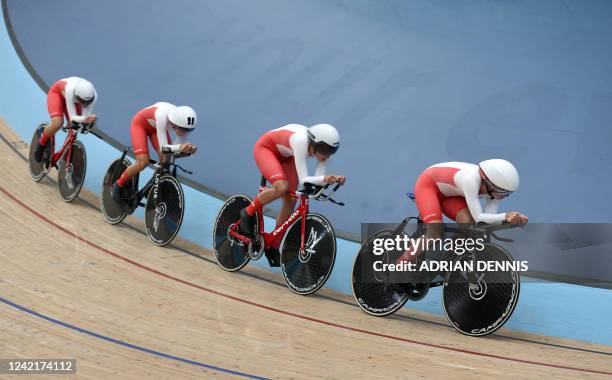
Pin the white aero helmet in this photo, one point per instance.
(84, 92)
(183, 117)
(501, 174)
(325, 138)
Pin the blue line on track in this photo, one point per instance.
(126, 344)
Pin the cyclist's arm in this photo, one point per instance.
(469, 183)
(179, 140)
(70, 108)
(299, 145)
(321, 169)
(161, 124)
(491, 207)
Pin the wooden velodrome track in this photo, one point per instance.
(73, 286)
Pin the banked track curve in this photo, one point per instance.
(309, 312)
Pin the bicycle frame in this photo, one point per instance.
(301, 212)
(144, 191)
(66, 148)
(279, 231)
(161, 169)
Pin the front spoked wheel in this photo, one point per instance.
(307, 271)
(373, 288)
(164, 210)
(38, 170)
(478, 303)
(231, 253)
(71, 175)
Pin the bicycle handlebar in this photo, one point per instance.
(168, 164)
(182, 169)
(491, 228)
(481, 228)
(317, 192)
(178, 155)
(79, 127)
(173, 155)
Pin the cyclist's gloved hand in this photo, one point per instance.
(331, 179)
(188, 148)
(515, 217)
(192, 148)
(91, 120)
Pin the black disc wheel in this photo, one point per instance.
(231, 253)
(479, 302)
(373, 288)
(113, 212)
(306, 271)
(71, 172)
(164, 210)
(38, 170)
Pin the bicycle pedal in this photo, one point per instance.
(47, 166)
(256, 255)
(256, 242)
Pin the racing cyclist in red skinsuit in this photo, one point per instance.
(455, 188)
(154, 123)
(280, 155)
(72, 98)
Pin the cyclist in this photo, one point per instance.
(73, 98)
(155, 123)
(454, 189)
(280, 155)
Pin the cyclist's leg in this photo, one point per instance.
(269, 165)
(56, 105)
(51, 129)
(272, 252)
(141, 152)
(142, 160)
(288, 201)
(155, 142)
(428, 200)
(272, 169)
(57, 108)
(456, 209)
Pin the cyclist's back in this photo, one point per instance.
(450, 187)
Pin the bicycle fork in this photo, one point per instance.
(69, 167)
(304, 208)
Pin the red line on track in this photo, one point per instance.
(288, 313)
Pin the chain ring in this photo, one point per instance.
(256, 255)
